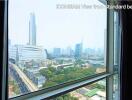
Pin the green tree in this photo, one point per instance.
(99, 86)
(78, 62)
(66, 97)
(52, 69)
(67, 74)
(49, 83)
(61, 61)
(59, 78)
(47, 73)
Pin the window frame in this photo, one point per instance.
(59, 89)
(4, 63)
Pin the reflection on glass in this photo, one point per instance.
(50, 45)
(95, 91)
(116, 87)
(116, 41)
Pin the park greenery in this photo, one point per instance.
(56, 76)
(65, 97)
(99, 86)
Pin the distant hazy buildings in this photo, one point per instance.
(57, 52)
(78, 50)
(12, 52)
(67, 52)
(32, 30)
(89, 52)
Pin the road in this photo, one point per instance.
(23, 88)
(31, 86)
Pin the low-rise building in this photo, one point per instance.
(21, 53)
(34, 75)
(30, 52)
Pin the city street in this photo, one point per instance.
(31, 86)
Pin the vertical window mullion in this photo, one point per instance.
(117, 48)
(1, 46)
(5, 48)
(110, 52)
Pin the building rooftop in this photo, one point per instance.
(92, 92)
(101, 93)
(33, 69)
(96, 97)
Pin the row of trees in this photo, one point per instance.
(57, 76)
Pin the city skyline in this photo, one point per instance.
(51, 50)
(57, 28)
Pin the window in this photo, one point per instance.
(94, 91)
(60, 46)
(116, 87)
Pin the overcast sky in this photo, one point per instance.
(57, 27)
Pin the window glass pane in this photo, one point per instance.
(116, 41)
(116, 87)
(54, 41)
(95, 91)
(117, 51)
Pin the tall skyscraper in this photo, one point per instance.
(32, 30)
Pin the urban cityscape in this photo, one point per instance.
(32, 67)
